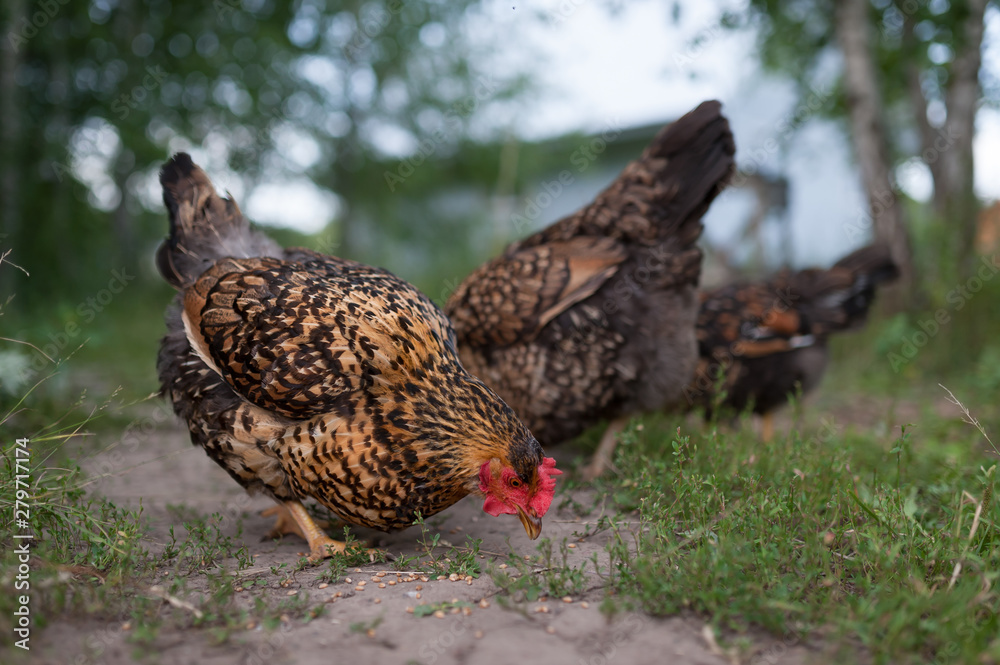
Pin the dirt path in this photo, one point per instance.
(162, 469)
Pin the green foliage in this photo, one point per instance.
(204, 546)
(100, 97)
(893, 543)
(84, 549)
(526, 579)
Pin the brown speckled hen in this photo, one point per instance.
(768, 339)
(593, 317)
(306, 375)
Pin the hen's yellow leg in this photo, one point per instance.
(606, 450)
(293, 518)
(767, 427)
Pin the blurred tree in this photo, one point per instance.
(95, 96)
(909, 89)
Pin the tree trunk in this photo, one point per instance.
(915, 90)
(959, 206)
(864, 105)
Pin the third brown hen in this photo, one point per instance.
(593, 317)
(768, 339)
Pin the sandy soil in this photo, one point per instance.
(160, 467)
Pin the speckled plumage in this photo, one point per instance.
(769, 338)
(305, 375)
(593, 317)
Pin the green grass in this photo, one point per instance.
(889, 542)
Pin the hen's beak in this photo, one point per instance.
(532, 523)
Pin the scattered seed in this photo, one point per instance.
(453, 577)
(567, 599)
(284, 618)
(440, 577)
(419, 587)
(380, 574)
(572, 546)
(238, 589)
(484, 603)
(378, 600)
(292, 592)
(359, 588)
(439, 614)
(381, 585)
(424, 578)
(417, 596)
(543, 599)
(550, 630)
(542, 609)
(584, 605)
(454, 600)
(466, 611)
(323, 585)
(456, 610)
(409, 610)
(503, 566)
(362, 583)
(391, 582)
(371, 633)
(469, 582)
(127, 625)
(347, 579)
(339, 594)
(357, 570)
(478, 634)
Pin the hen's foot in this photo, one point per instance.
(605, 451)
(292, 518)
(767, 427)
(285, 524)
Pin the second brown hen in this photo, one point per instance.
(593, 317)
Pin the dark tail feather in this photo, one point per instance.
(874, 263)
(871, 266)
(204, 227)
(674, 181)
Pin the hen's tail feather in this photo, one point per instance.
(841, 297)
(872, 263)
(204, 226)
(665, 192)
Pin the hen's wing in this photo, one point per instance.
(298, 339)
(511, 298)
(751, 320)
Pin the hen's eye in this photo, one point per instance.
(515, 483)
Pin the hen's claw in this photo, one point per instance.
(294, 519)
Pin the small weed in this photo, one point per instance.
(338, 564)
(461, 561)
(426, 610)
